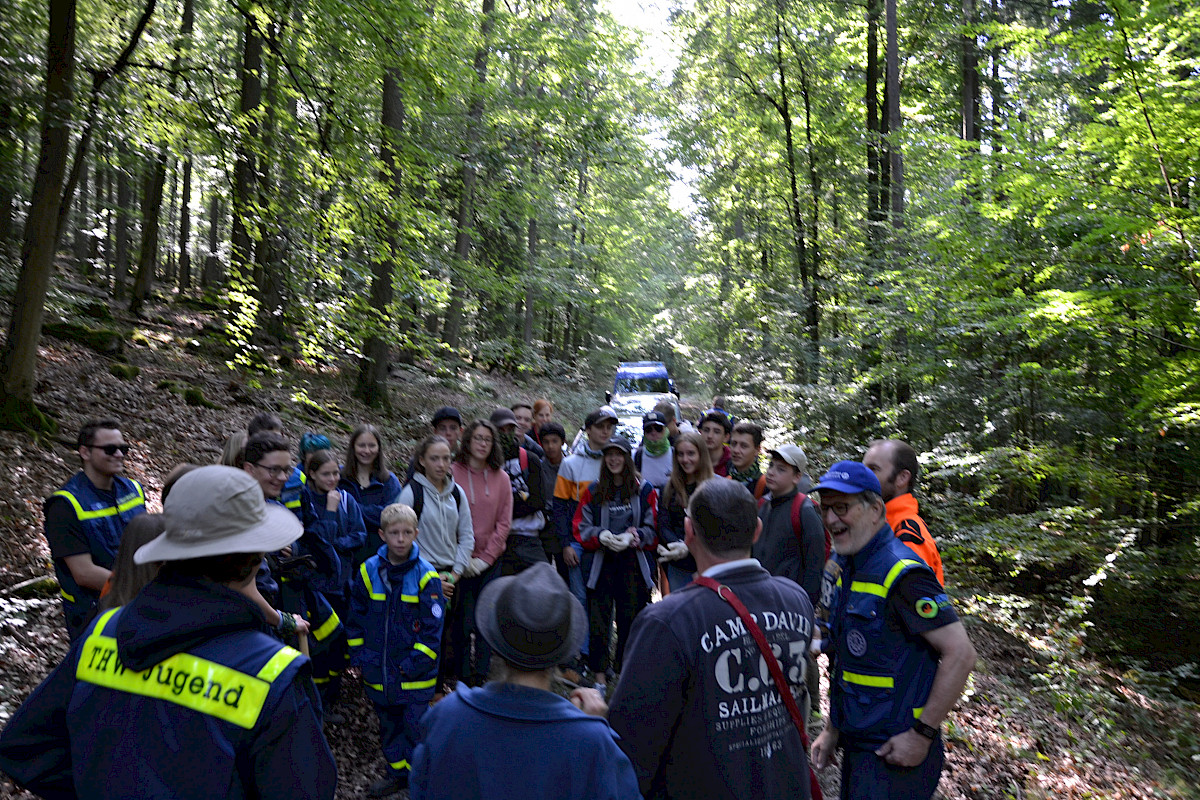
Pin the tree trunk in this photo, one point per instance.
(123, 212)
(9, 170)
(531, 248)
(18, 361)
(812, 299)
(211, 274)
(373, 369)
(241, 250)
(82, 221)
(466, 204)
(893, 114)
(155, 180)
(270, 264)
(185, 228)
(875, 213)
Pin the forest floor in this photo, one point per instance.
(1005, 740)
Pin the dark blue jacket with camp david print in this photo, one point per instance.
(696, 708)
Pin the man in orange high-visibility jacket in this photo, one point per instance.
(895, 463)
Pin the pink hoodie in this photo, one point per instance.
(489, 493)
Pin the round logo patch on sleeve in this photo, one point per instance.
(927, 608)
(437, 610)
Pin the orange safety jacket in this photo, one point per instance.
(910, 528)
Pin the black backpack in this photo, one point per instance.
(418, 490)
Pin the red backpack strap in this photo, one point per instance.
(523, 458)
(726, 594)
(797, 504)
(760, 488)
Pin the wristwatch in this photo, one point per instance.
(928, 731)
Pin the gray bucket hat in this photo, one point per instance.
(216, 510)
(531, 620)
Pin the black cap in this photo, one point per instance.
(446, 412)
(620, 443)
(601, 413)
(654, 418)
(503, 416)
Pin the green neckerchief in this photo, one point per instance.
(751, 474)
(656, 449)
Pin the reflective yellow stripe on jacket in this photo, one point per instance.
(183, 679)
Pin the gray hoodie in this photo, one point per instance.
(444, 530)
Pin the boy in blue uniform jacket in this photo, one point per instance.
(397, 610)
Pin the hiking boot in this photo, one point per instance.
(388, 785)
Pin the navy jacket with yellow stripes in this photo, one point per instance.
(397, 612)
(180, 694)
(102, 523)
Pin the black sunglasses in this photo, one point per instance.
(111, 449)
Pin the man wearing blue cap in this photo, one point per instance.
(900, 656)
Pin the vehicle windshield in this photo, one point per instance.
(635, 403)
(658, 385)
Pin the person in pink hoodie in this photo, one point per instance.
(479, 470)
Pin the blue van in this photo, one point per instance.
(642, 377)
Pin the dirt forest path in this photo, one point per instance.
(1003, 741)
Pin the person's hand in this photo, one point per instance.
(589, 701)
(302, 625)
(628, 538)
(824, 747)
(814, 646)
(448, 579)
(286, 551)
(664, 555)
(676, 551)
(608, 539)
(570, 557)
(476, 566)
(333, 500)
(907, 749)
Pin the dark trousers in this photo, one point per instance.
(521, 553)
(472, 654)
(620, 592)
(398, 734)
(866, 776)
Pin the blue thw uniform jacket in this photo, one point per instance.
(396, 616)
(881, 677)
(102, 523)
(180, 694)
(344, 529)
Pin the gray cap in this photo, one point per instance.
(531, 620)
(790, 454)
(503, 416)
(216, 510)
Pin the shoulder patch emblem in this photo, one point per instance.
(856, 643)
(909, 531)
(436, 611)
(927, 608)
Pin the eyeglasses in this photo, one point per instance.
(482, 439)
(840, 509)
(111, 449)
(275, 472)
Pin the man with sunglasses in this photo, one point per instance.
(899, 655)
(85, 518)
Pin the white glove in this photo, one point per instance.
(628, 539)
(476, 566)
(615, 542)
(814, 646)
(663, 553)
(678, 550)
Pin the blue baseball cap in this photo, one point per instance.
(849, 477)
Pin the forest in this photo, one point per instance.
(967, 224)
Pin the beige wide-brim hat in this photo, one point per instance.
(216, 510)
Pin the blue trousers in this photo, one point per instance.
(398, 734)
(866, 776)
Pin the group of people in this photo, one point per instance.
(474, 593)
